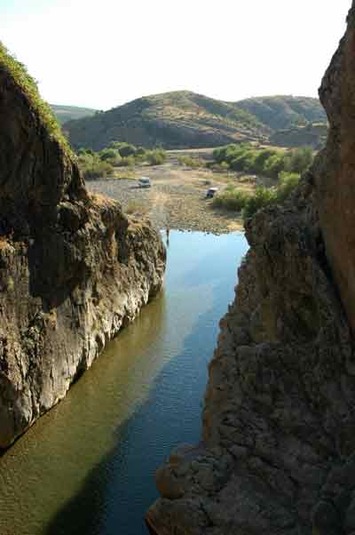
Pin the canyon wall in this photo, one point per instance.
(73, 268)
(277, 454)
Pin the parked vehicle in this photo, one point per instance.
(144, 182)
(211, 192)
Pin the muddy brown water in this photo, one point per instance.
(87, 466)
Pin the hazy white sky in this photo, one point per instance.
(104, 53)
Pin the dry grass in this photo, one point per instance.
(102, 201)
(128, 173)
(137, 208)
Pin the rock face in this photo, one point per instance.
(73, 267)
(277, 454)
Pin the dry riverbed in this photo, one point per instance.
(177, 198)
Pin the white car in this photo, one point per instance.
(144, 182)
(211, 192)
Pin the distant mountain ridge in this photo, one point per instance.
(182, 119)
(69, 113)
(281, 112)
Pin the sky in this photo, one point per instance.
(102, 54)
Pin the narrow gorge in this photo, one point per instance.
(277, 454)
(73, 268)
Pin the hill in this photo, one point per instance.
(69, 113)
(173, 120)
(281, 112)
(183, 119)
(312, 134)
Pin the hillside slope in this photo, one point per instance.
(313, 135)
(183, 119)
(173, 120)
(69, 113)
(281, 112)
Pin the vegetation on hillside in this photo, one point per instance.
(18, 72)
(282, 111)
(70, 113)
(312, 134)
(182, 119)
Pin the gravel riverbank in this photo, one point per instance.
(176, 200)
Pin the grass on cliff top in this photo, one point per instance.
(29, 87)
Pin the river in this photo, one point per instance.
(87, 466)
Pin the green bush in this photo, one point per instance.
(126, 149)
(190, 161)
(249, 203)
(260, 160)
(287, 183)
(92, 167)
(83, 150)
(155, 156)
(261, 198)
(110, 155)
(231, 199)
(268, 162)
(127, 161)
(224, 166)
(274, 164)
(298, 160)
(120, 153)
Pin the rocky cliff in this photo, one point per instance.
(73, 267)
(277, 454)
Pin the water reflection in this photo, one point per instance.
(50, 462)
(86, 467)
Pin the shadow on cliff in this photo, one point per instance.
(119, 489)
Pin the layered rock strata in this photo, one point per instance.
(73, 268)
(277, 454)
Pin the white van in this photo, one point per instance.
(144, 182)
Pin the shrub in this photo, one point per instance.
(263, 161)
(108, 154)
(189, 161)
(126, 161)
(274, 165)
(298, 160)
(224, 166)
(261, 158)
(249, 203)
(111, 156)
(93, 167)
(126, 149)
(262, 197)
(287, 183)
(139, 155)
(231, 199)
(155, 156)
(124, 154)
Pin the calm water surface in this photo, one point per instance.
(87, 466)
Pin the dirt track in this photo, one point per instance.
(176, 200)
